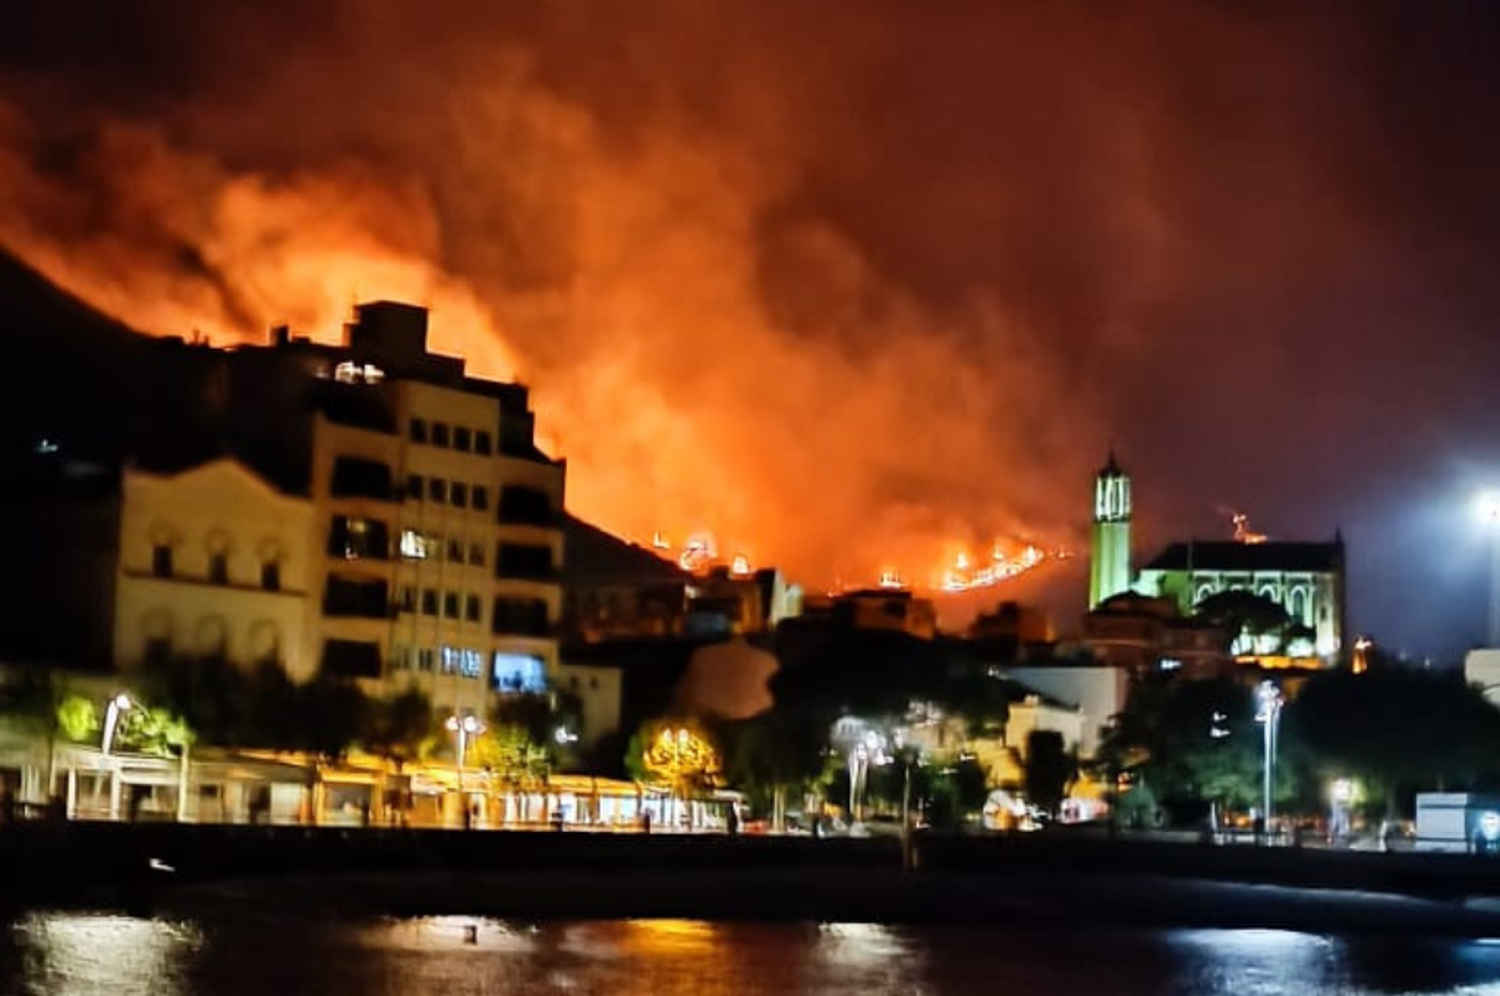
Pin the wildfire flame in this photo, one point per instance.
(1242, 530)
(961, 576)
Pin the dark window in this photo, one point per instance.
(414, 487)
(429, 602)
(218, 568)
(161, 560)
(400, 658)
(356, 597)
(482, 443)
(355, 477)
(354, 539)
(456, 551)
(270, 575)
(440, 434)
(476, 554)
(462, 438)
(523, 560)
(425, 659)
(471, 608)
(525, 506)
(407, 599)
(458, 494)
(519, 617)
(351, 659)
(437, 489)
(418, 430)
(481, 498)
(450, 605)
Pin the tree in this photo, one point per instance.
(1050, 767)
(400, 727)
(1241, 613)
(1194, 742)
(330, 713)
(1398, 731)
(773, 754)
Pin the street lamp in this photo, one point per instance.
(1268, 712)
(120, 703)
(464, 729)
(1487, 507)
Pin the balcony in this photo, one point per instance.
(359, 539)
(525, 562)
(363, 599)
(523, 506)
(521, 617)
(351, 659)
(354, 477)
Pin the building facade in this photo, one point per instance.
(1305, 579)
(213, 561)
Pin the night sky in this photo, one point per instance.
(848, 284)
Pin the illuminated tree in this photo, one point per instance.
(678, 754)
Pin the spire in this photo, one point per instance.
(1112, 466)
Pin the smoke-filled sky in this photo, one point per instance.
(846, 283)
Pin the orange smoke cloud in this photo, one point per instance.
(832, 423)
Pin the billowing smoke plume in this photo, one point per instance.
(845, 284)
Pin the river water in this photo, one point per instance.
(66, 954)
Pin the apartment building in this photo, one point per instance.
(384, 517)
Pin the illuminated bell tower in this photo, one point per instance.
(1109, 565)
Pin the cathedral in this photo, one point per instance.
(1305, 579)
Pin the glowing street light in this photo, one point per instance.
(120, 703)
(464, 730)
(1268, 702)
(1487, 507)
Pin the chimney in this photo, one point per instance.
(281, 335)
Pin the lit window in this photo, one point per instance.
(518, 673)
(473, 664)
(413, 545)
(452, 659)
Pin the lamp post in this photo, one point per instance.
(117, 705)
(1268, 712)
(1488, 508)
(464, 729)
(120, 703)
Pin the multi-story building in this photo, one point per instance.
(442, 521)
(412, 535)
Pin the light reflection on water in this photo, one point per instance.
(57, 954)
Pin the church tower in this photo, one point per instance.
(1109, 566)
